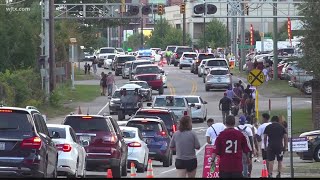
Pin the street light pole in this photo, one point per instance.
(275, 42)
(184, 25)
(204, 25)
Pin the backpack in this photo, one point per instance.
(244, 132)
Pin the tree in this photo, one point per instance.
(134, 41)
(216, 35)
(310, 46)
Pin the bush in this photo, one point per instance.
(55, 98)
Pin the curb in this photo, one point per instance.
(302, 170)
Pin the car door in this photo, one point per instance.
(50, 146)
(80, 150)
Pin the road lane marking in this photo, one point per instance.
(195, 88)
(194, 85)
(169, 85)
(103, 108)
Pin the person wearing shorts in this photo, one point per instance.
(185, 142)
(260, 136)
(277, 144)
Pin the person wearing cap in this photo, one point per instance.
(249, 135)
(225, 106)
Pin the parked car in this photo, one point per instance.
(138, 151)
(151, 74)
(108, 62)
(103, 142)
(302, 81)
(219, 78)
(186, 59)
(72, 156)
(103, 54)
(26, 147)
(145, 89)
(134, 64)
(125, 70)
(214, 62)
(156, 135)
(177, 53)
(197, 61)
(199, 109)
(119, 62)
(178, 104)
(313, 152)
(168, 117)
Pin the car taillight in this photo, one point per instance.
(64, 147)
(110, 139)
(174, 128)
(162, 133)
(31, 143)
(185, 113)
(134, 144)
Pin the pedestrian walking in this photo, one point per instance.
(248, 91)
(249, 105)
(225, 106)
(110, 83)
(85, 68)
(213, 131)
(229, 146)
(260, 136)
(277, 144)
(241, 86)
(103, 83)
(247, 132)
(185, 142)
(94, 65)
(265, 71)
(89, 67)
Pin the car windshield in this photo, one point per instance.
(140, 63)
(120, 50)
(185, 49)
(192, 100)
(107, 51)
(173, 102)
(129, 134)
(165, 116)
(17, 121)
(111, 56)
(147, 70)
(172, 48)
(145, 126)
(127, 65)
(219, 72)
(190, 55)
(117, 94)
(217, 63)
(144, 85)
(61, 131)
(205, 56)
(125, 59)
(87, 123)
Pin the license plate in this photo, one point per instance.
(2, 146)
(85, 138)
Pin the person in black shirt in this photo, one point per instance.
(241, 86)
(248, 91)
(225, 106)
(277, 144)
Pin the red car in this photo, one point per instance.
(152, 74)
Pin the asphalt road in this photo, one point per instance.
(182, 82)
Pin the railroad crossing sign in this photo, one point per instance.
(256, 77)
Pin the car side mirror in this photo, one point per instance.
(84, 143)
(205, 102)
(149, 104)
(55, 135)
(192, 105)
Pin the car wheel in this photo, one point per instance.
(116, 171)
(180, 67)
(201, 120)
(166, 161)
(124, 168)
(207, 88)
(141, 167)
(121, 115)
(316, 154)
(307, 89)
(161, 91)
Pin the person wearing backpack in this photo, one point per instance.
(247, 132)
(213, 131)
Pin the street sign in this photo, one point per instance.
(255, 77)
(267, 37)
(299, 144)
(247, 46)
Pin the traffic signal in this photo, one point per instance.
(182, 8)
(133, 10)
(211, 9)
(146, 10)
(198, 9)
(160, 9)
(246, 9)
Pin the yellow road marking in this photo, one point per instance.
(194, 85)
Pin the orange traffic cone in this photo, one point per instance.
(133, 170)
(150, 170)
(109, 173)
(264, 171)
(79, 110)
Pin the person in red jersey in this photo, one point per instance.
(229, 145)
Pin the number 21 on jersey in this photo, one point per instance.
(231, 146)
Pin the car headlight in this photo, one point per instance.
(158, 76)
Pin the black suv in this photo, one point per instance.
(168, 117)
(199, 58)
(103, 142)
(119, 62)
(177, 53)
(26, 147)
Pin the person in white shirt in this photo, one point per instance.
(209, 50)
(260, 136)
(213, 131)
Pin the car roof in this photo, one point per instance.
(147, 65)
(145, 119)
(218, 68)
(132, 82)
(141, 60)
(212, 59)
(183, 46)
(92, 115)
(130, 86)
(175, 96)
(205, 53)
(162, 109)
(107, 48)
(58, 125)
(192, 96)
(189, 53)
(125, 55)
(128, 128)
(27, 109)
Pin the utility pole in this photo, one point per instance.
(184, 25)
(204, 26)
(52, 61)
(46, 49)
(141, 40)
(234, 32)
(242, 36)
(227, 25)
(262, 29)
(275, 42)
